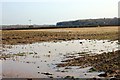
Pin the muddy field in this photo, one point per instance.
(107, 62)
(64, 34)
(61, 53)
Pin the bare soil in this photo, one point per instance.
(40, 35)
(107, 62)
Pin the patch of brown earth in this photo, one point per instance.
(107, 62)
(40, 35)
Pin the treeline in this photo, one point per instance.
(90, 22)
(68, 24)
(20, 27)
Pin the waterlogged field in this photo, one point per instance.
(39, 59)
(60, 53)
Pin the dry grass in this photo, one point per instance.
(38, 35)
(92, 29)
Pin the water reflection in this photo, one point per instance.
(38, 59)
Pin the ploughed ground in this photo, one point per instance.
(42, 35)
(107, 62)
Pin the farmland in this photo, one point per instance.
(40, 35)
(54, 53)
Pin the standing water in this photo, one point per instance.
(39, 59)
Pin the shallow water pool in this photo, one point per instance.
(41, 58)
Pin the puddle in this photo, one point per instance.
(41, 58)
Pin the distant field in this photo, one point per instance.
(40, 35)
(91, 29)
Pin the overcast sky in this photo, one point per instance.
(52, 11)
